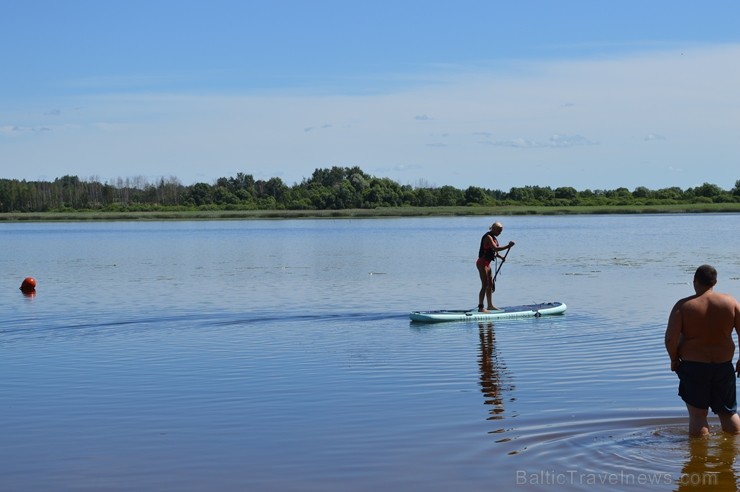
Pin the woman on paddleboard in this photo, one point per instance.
(489, 250)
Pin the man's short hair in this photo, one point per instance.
(706, 275)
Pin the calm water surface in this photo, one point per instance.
(278, 356)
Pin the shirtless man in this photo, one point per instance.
(699, 342)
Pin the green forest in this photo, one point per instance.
(337, 188)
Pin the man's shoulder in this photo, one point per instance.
(686, 300)
(724, 298)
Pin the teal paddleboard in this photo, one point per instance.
(525, 311)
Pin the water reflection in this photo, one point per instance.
(491, 372)
(709, 465)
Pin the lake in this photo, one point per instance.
(277, 355)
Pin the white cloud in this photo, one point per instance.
(563, 141)
(591, 140)
(555, 141)
(14, 130)
(519, 143)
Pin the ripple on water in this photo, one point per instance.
(623, 453)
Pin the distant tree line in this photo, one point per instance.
(327, 189)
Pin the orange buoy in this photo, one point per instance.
(28, 285)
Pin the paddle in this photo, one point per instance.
(498, 269)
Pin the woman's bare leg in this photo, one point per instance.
(485, 291)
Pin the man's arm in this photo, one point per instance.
(673, 336)
(737, 330)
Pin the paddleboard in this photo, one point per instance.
(526, 311)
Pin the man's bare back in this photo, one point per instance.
(705, 322)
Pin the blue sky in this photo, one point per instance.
(590, 94)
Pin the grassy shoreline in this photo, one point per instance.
(367, 213)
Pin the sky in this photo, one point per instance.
(497, 94)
